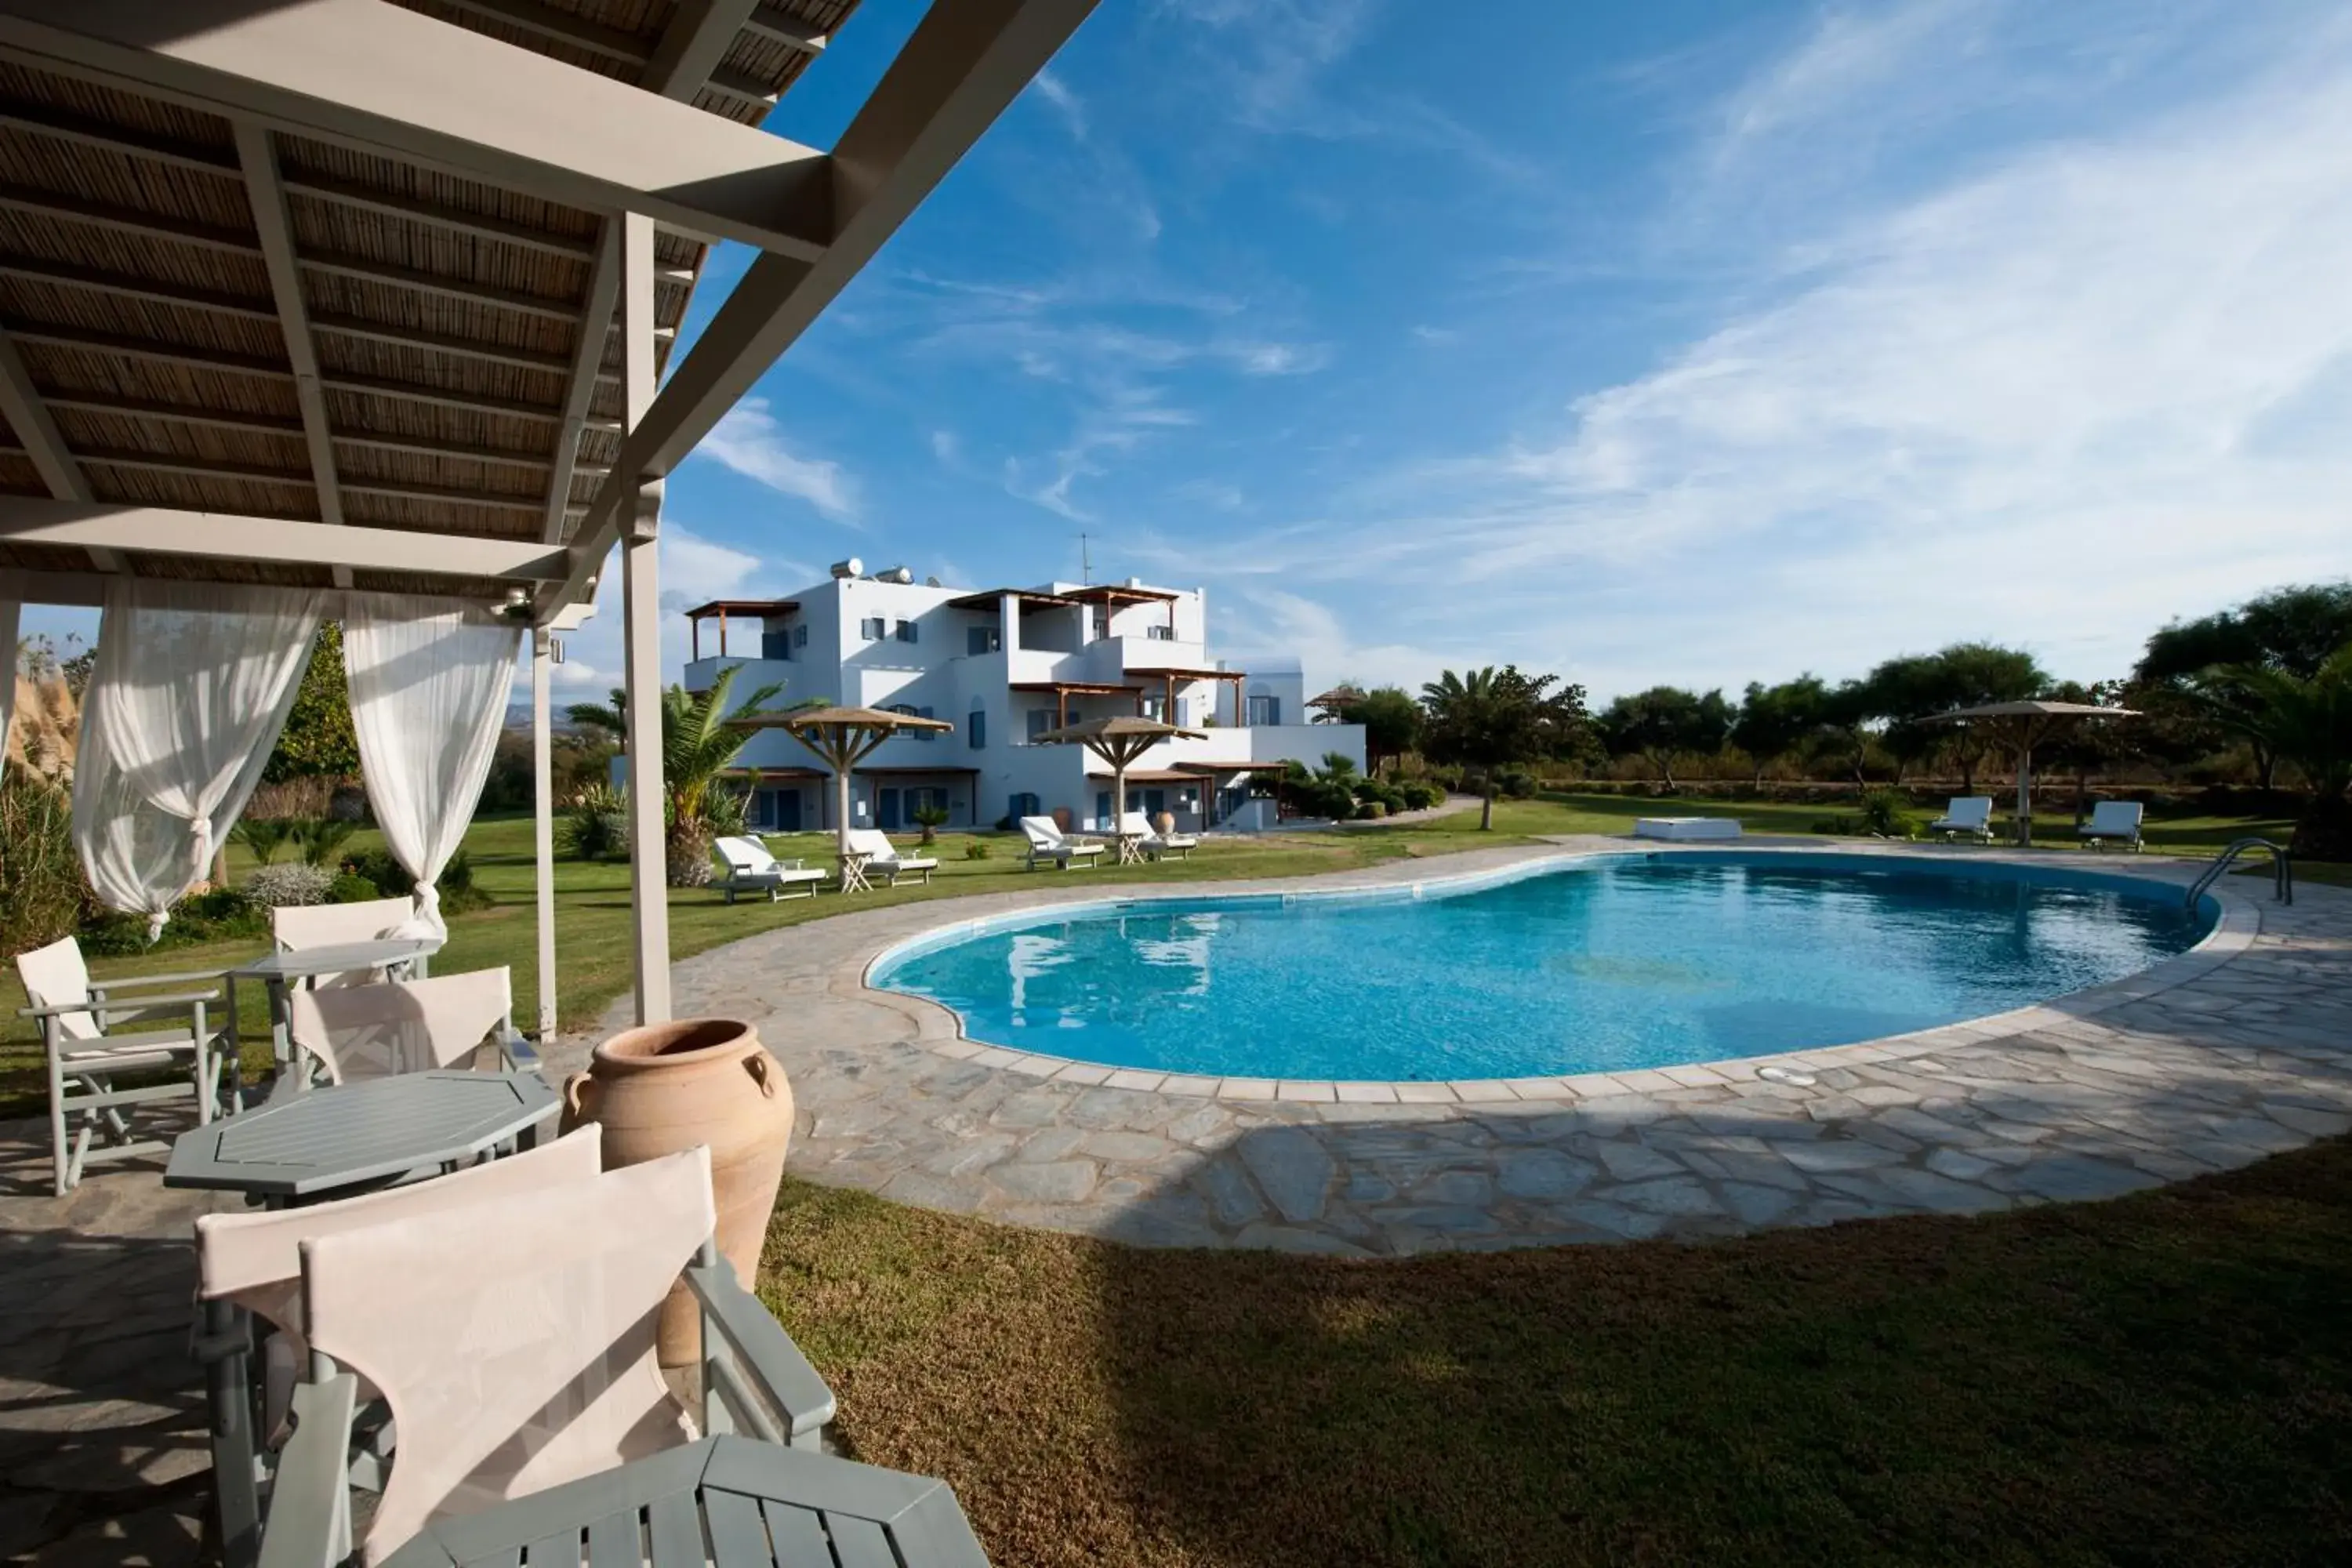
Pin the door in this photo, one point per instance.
(889, 811)
(786, 811)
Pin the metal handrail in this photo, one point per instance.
(2281, 869)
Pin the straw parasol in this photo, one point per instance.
(1118, 741)
(842, 738)
(2021, 727)
(1330, 703)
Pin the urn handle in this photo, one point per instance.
(763, 1069)
(577, 1089)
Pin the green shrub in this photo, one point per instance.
(1419, 795)
(976, 850)
(222, 914)
(1514, 784)
(320, 841)
(42, 893)
(353, 888)
(1885, 812)
(376, 868)
(596, 824)
(1371, 810)
(293, 883)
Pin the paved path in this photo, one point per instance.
(2212, 1061)
(103, 1453)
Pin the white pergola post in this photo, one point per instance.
(542, 768)
(641, 642)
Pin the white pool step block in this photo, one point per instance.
(1685, 827)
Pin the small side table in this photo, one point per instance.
(758, 1505)
(1131, 847)
(853, 872)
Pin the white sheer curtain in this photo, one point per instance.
(192, 685)
(429, 682)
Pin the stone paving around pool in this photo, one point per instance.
(2211, 1061)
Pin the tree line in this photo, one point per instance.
(2271, 678)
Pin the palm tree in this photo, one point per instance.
(699, 744)
(2304, 721)
(1491, 719)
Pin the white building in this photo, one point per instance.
(1005, 665)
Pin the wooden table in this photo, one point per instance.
(280, 971)
(1130, 846)
(348, 1137)
(759, 1505)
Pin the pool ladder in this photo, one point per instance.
(2281, 869)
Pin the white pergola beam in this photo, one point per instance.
(691, 47)
(258, 156)
(382, 79)
(965, 63)
(164, 530)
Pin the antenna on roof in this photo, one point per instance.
(1086, 562)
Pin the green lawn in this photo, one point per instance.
(592, 899)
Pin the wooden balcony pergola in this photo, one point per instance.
(385, 295)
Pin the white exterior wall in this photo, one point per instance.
(938, 672)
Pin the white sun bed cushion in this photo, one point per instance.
(1686, 827)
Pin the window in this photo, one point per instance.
(1024, 804)
(979, 730)
(905, 630)
(1155, 708)
(978, 640)
(873, 628)
(1159, 633)
(1102, 622)
(911, 711)
(1040, 720)
(1265, 710)
(1102, 808)
(800, 636)
(776, 643)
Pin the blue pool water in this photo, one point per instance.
(1621, 962)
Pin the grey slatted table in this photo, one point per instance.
(280, 971)
(758, 1505)
(357, 1135)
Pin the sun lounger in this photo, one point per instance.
(1968, 816)
(2114, 819)
(1156, 843)
(751, 868)
(1048, 842)
(882, 857)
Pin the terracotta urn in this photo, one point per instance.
(664, 1088)
(1164, 824)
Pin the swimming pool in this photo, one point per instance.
(1590, 966)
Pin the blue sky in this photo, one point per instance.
(1685, 341)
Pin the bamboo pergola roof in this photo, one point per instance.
(367, 265)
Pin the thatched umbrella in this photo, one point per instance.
(1118, 741)
(2021, 727)
(842, 738)
(1331, 703)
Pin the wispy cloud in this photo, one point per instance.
(2110, 370)
(750, 441)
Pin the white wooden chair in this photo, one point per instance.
(881, 858)
(751, 868)
(513, 1341)
(407, 1026)
(1967, 816)
(2115, 820)
(299, 926)
(1156, 843)
(1048, 842)
(249, 1268)
(86, 1054)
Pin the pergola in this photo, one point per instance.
(2018, 727)
(842, 738)
(761, 610)
(1120, 742)
(1171, 675)
(380, 295)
